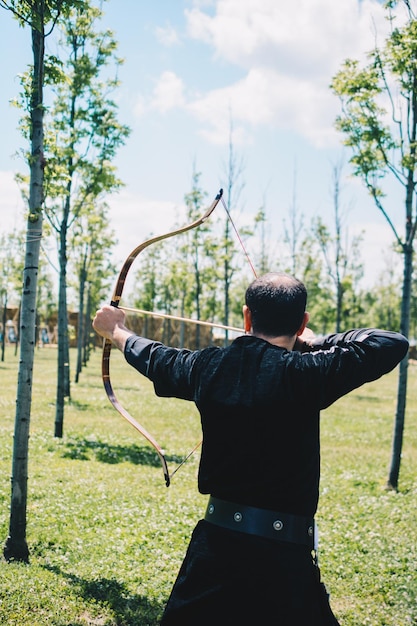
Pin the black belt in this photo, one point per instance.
(261, 522)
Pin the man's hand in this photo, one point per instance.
(303, 342)
(109, 322)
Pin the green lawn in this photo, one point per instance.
(106, 537)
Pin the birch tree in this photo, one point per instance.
(82, 140)
(40, 16)
(379, 122)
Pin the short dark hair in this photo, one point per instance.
(277, 302)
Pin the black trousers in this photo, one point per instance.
(230, 578)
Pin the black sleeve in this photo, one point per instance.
(138, 352)
(168, 368)
(348, 360)
(389, 348)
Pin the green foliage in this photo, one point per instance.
(344, 268)
(379, 113)
(106, 536)
(90, 254)
(365, 133)
(147, 294)
(82, 133)
(382, 305)
(39, 13)
(262, 256)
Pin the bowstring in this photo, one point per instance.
(256, 276)
(239, 238)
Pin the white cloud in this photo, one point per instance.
(167, 35)
(305, 36)
(140, 106)
(285, 55)
(168, 92)
(289, 53)
(266, 97)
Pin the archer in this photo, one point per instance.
(251, 560)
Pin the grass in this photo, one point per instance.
(106, 537)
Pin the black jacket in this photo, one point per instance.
(260, 405)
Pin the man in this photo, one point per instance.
(251, 560)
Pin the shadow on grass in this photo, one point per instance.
(367, 398)
(85, 449)
(127, 608)
(80, 406)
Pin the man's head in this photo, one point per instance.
(277, 305)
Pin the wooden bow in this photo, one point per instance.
(107, 345)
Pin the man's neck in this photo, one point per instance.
(283, 341)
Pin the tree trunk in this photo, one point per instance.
(339, 305)
(67, 382)
(182, 325)
(3, 335)
(86, 341)
(397, 443)
(197, 304)
(16, 548)
(80, 329)
(63, 356)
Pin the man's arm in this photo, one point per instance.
(387, 348)
(341, 362)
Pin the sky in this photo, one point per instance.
(195, 74)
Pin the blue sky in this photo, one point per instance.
(190, 67)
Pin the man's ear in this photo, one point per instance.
(247, 319)
(304, 323)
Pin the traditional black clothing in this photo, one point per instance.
(259, 407)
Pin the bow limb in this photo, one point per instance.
(117, 294)
(124, 413)
(107, 345)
